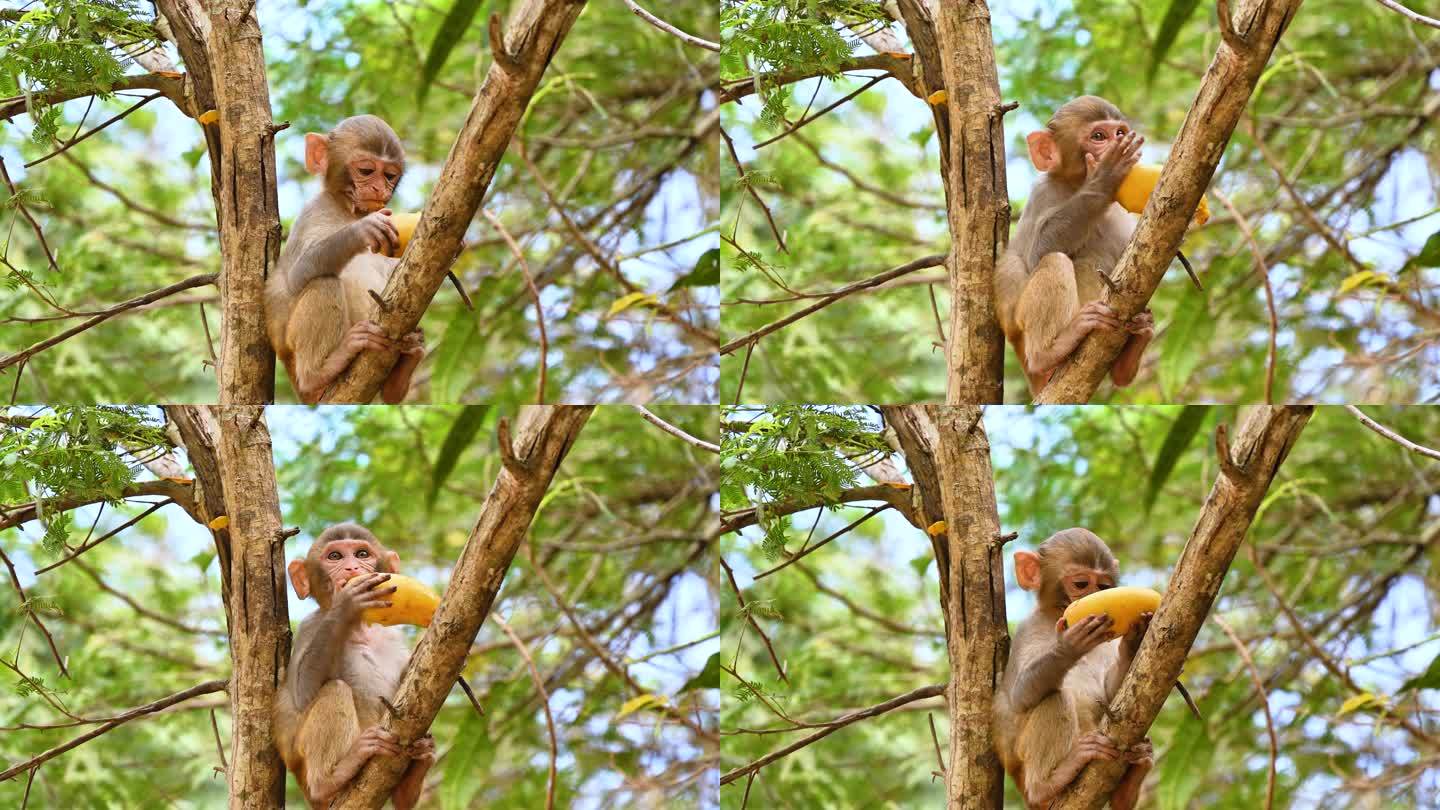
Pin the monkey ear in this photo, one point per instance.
(393, 557)
(1027, 570)
(299, 578)
(317, 153)
(1044, 152)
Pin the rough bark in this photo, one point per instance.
(543, 437)
(225, 61)
(259, 615)
(1225, 90)
(949, 447)
(1246, 470)
(536, 30)
(977, 203)
(199, 435)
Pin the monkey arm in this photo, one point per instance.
(1064, 227)
(317, 651)
(326, 257)
(1040, 677)
(1127, 365)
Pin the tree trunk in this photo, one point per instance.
(1246, 470)
(259, 615)
(199, 435)
(226, 64)
(544, 436)
(947, 450)
(977, 202)
(1224, 92)
(536, 30)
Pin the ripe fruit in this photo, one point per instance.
(1122, 605)
(412, 603)
(1135, 190)
(405, 222)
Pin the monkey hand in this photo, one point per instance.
(413, 343)
(376, 233)
(1086, 634)
(1130, 644)
(376, 740)
(423, 749)
(1106, 171)
(1093, 745)
(1142, 324)
(1097, 315)
(363, 593)
(1141, 753)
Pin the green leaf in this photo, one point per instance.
(461, 435)
(1429, 679)
(705, 274)
(709, 677)
(1182, 432)
(1175, 18)
(1429, 255)
(452, 30)
(1185, 765)
(1193, 326)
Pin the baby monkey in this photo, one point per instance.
(1071, 234)
(1060, 679)
(340, 251)
(328, 710)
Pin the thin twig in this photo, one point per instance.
(794, 558)
(923, 692)
(544, 701)
(802, 122)
(25, 212)
(675, 431)
(30, 611)
(534, 295)
(1264, 272)
(874, 281)
(740, 597)
(1407, 13)
(105, 315)
(670, 29)
(62, 149)
(1264, 705)
(149, 708)
(1392, 435)
(122, 527)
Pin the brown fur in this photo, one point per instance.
(1038, 296)
(307, 325)
(1033, 743)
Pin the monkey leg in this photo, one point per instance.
(1047, 306)
(315, 329)
(1052, 318)
(1041, 746)
(328, 731)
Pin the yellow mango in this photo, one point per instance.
(412, 603)
(405, 222)
(1122, 605)
(1135, 189)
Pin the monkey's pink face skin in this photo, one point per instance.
(343, 560)
(372, 181)
(1099, 135)
(1078, 581)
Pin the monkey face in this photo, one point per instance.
(329, 566)
(1097, 136)
(371, 181)
(1078, 581)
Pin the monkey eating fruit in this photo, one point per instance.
(412, 603)
(1122, 605)
(1135, 190)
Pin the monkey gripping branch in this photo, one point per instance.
(1247, 468)
(543, 437)
(521, 56)
(1247, 41)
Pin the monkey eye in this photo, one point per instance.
(1097, 135)
(362, 553)
(391, 178)
(1082, 583)
(365, 172)
(334, 555)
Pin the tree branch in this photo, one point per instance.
(1218, 105)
